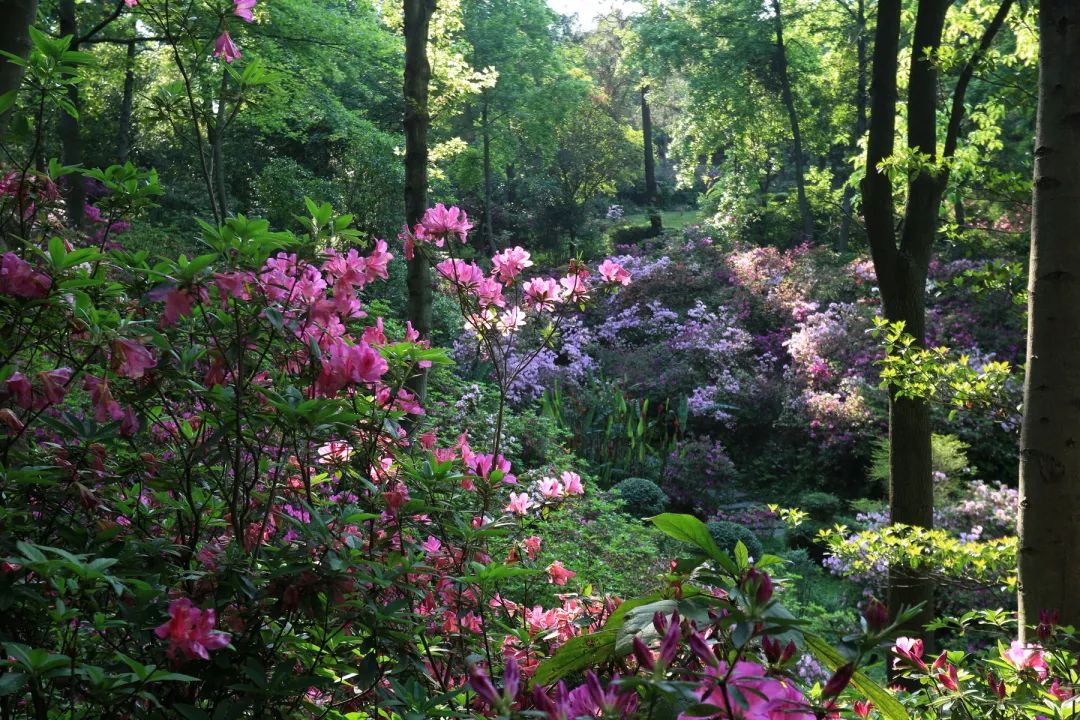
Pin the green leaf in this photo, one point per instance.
(886, 704)
(689, 529)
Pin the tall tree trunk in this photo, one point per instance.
(123, 137)
(902, 267)
(793, 118)
(647, 136)
(1049, 450)
(417, 76)
(216, 136)
(70, 136)
(860, 123)
(18, 16)
(485, 128)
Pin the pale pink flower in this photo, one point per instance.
(432, 545)
(511, 321)
(574, 288)
(542, 293)
(550, 488)
(572, 483)
(1024, 657)
(519, 504)
(510, 262)
(465, 275)
(613, 272)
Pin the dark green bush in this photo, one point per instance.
(641, 497)
(821, 506)
(727, 534)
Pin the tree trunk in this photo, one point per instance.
(417, 76)
(18, 16)
(1049, 451)
(70, 136)
(793, 117)
(217, 146)
(123, 137)
(489, 227)
(647, 136)
(860, 124)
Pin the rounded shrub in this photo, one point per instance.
(727, 534)
(821, 506)
(642, 497)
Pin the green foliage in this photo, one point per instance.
(641, 497)
(821, 506)
(929, 374)
(608, 549)
(727, 535)
(948, 456)
(923, 552)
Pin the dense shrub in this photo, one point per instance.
(641, 497)
(821, 506)
(727, 534)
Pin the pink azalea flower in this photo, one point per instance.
(511, 321)
(226, 48)
(178, 304)
(190, 631)
(613, 272)
(557, 574)
(105, 407)
(441, 222)
(432, 545)
(19, 388)
(572, 483)
(19, 279)
(243, 10)
(465, 275)
(1025, 657)
(509, 263)
(532, 546)
(910, 649)
(762, 696)
(550, 488)
(54, 384)
(131, 359)
(131, 3)
(344, 364)
(489, 293)
(574, 288)
(542, 293)
(519, 504)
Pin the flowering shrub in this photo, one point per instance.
(210, 493)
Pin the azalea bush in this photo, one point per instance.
(212, 506)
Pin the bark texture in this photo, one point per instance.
(650, 161)
(417, 120)
(1049, 449)
(18, 16)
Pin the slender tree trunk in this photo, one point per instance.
(489, 227)
(18, 16)
(70, 136)
(123, 137)
(902, 267)
(647, 136)
(793, 117)
(1049, 450)
(860, 123)
(217, 146)
(417, 76)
